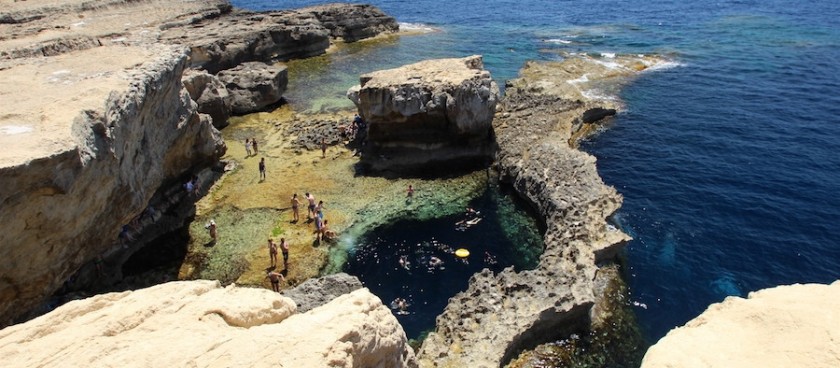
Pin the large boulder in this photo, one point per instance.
(201, 324)
(428, 112)
(253, 86)
(210, 94)
(316, 292)
(785, 326)
(353, 22)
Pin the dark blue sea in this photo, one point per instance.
(729, 161)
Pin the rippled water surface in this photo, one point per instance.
(728, 162)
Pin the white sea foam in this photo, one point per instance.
(417, 27)
(662, 65)
(559, 41)
(596, 95)
(608, 55)
(582, 79)
(14, 129)
(612, 65)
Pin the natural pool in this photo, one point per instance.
(394, 260)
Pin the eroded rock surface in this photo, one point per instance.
(201, 324)
(428, 112)
(210, 94)
(500, 315)
(253, 86)
(316, 292)
(785, 326)
(95, 117)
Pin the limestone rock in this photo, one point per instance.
(314, 293)
(210, 94)
(517, 311)
(785, 326)
(97, 135)
(241, 36)
(201, 324)
(353, 22)
(95, 118)
(253, 86)
(431, 111)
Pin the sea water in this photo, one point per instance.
(727, 156)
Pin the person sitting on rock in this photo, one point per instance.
(326, 233)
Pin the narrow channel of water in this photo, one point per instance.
(395, 260)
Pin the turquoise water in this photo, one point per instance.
(728, 161)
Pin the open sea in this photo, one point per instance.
(729, 160)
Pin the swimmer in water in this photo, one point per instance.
(404, 263)
(435, 262)
(401, 304)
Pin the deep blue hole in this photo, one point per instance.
(507, 235)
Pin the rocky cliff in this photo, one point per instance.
(201, 324)
(95, 117)
(785, 326)
(537, 127)
(427, 113)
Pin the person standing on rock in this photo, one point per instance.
(248, 147)
(284, 247)
(319, 210)
(275, 278)
(262, 169)
(323, 147)
(254, 143)
(212, 228)
(272, 252)
(311, 209)
(295, 211)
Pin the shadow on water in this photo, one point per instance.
(400, 260)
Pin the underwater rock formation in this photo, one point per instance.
(429, 112)
(534, 129)
(201, 324)
(784, 326)
(96, 118)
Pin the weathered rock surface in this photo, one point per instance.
(97, 136)
(536, 127)
(201, 324)
(253, 86)
(95, 118)
(785, 326)
(431, 111)
(239, 37)
(210, 94)
(314, 293)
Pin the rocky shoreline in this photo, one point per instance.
(107, 74)
(142, 99)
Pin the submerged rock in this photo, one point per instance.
(785, 326)
(199, 323)
(430, 112)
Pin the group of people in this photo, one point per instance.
(251, 143)
(315, 213)
(272, 252)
